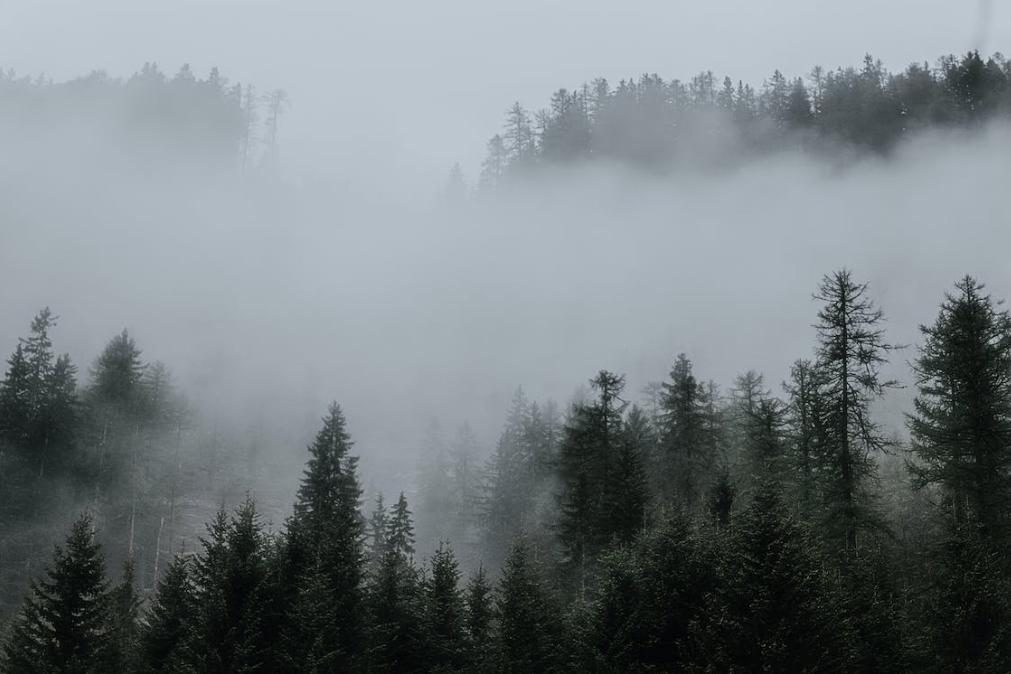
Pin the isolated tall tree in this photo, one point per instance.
(63, 625)
(961, 427)
(325, 538)
(851, 350)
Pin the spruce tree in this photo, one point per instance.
(480, 612)
(325, 536)
(168, 620)
(396, 617)
(685, 461)
(124, 627)
(377, 543)
(445, 615)
(773, 611)
(961, 427)
(588, 456)
(528, 629)
(63, 626)
(400, 530)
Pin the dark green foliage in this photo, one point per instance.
(124, 628)
(961, 427)
(229, 579)
(400, 530)
(686, 459)
(968, 607)
(64, 623)
(377, 526)
(650, 598)
(325, 557)
(589, 463)
(445, 613)
(480, 612)
(528, 631)
(168, 619)
(773, 610)
(397, 637)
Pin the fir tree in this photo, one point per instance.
(377, 530)
(773, 612)
(528, 634)
(686, 462)
(962, 423)
(445, 615)
(63, 626)
(168, 620)
(400, 530)
(124, 627)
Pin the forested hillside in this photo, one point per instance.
(772, 527)
(789, 521)
(706, 122)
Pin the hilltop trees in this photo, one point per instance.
(657, 124)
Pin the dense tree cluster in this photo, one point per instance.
(692, 532)
(656, 123)
(148, 119)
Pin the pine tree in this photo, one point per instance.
(507, 498)
(685, 462)
(626, 490)
(528, 634)
(805, 435)
(325, 538)
(400, 530)
(445, 614)
(124, 626)
(168, 620)
(773, 612)
(588, 454)
(480, 611)
(15, 400)
(63, 625)
(228, 577)
(377, 543)
(396, 617)
(117, 373)
(851, 349)
(961, 428)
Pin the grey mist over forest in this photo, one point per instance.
(582, 284)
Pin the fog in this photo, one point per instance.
(350, 280)
(267, 303)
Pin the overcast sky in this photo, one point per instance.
(401, 90)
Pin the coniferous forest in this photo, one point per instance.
(794, 523)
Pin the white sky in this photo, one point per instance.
(398, 91)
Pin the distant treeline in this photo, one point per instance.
(148, 117)
(696, 532)
(657, 123)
